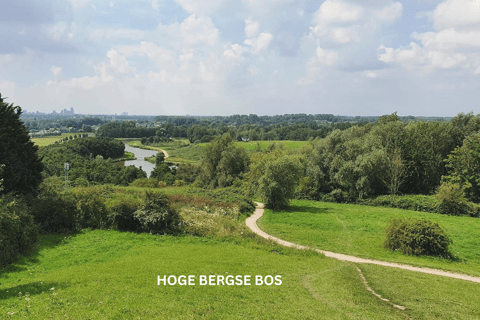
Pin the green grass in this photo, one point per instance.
(108, 274)
(252, 145)
(41, 142)
(359, 231)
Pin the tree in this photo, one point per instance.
(223, 162)
(22, 166)
(464, 165)
(159, 158)
(273, 176)
(395, 172)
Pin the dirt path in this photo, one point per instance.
(165, 153)
(252, 224)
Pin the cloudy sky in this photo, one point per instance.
(223, 57)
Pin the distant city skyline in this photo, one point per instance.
(224, 57)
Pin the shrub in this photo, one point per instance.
(91, 209)
(145, 183)
(407, 202)
(55, 212)
(452, 199)
(417, 237)
(336, 195)
(121, 214)
(18, 231)
(179, 183)
(156, 215)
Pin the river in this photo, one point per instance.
(141, 154)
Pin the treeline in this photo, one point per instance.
(206, 132)
(389, 157)
(77, 124)
(90, 161)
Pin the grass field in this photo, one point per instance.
(108, 274)
(51, 140)
(252, 145)
(359, 231)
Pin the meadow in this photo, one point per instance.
(45, 141)
(181, 150)
(360, 231)
(109, 274)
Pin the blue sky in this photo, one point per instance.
(223, 57)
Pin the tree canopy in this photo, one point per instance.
(22, 166)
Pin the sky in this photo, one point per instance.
(225, 57)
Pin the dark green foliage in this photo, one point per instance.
(121, 214)
(90, 206)
(188, 172)
(417, 237)
(88, 160)
(464, 165)
(336, 195)
(156, 215)
(407, 202)
(273, 176)
(22, 171)
(159, 158)
(18, 232)
(55, 212)
(162, 172)
(452, 199)
(222, 163)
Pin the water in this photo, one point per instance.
(141, 154)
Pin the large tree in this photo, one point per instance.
(22, 166)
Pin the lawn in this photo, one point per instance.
(253, 145)
(359, 231)
(52, 139)
(100, 274)
(109, 274)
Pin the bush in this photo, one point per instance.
(417, 237)
(156, 215)
(146, 183)
(91, 210)
(121, 214)
(18, 231)
(337, 196)
(452, 199)
(407, 202)
(55, 212)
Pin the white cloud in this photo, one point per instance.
(251, 28)
(154, 4)
(344, 35)
(261, 43)
(325, 57)
(196, 30)
(56, 71)
(235, 52)
(337, 11)
(111, 4)
(164, 58)
(390, 13)
(453, 46)
(204, 7)
(450, 39)
(457, 13)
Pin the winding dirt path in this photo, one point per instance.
(165, 153)
(252, 224)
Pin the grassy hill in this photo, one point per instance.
(360, 231)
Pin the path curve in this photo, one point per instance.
(165, 153)
(252, 224)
